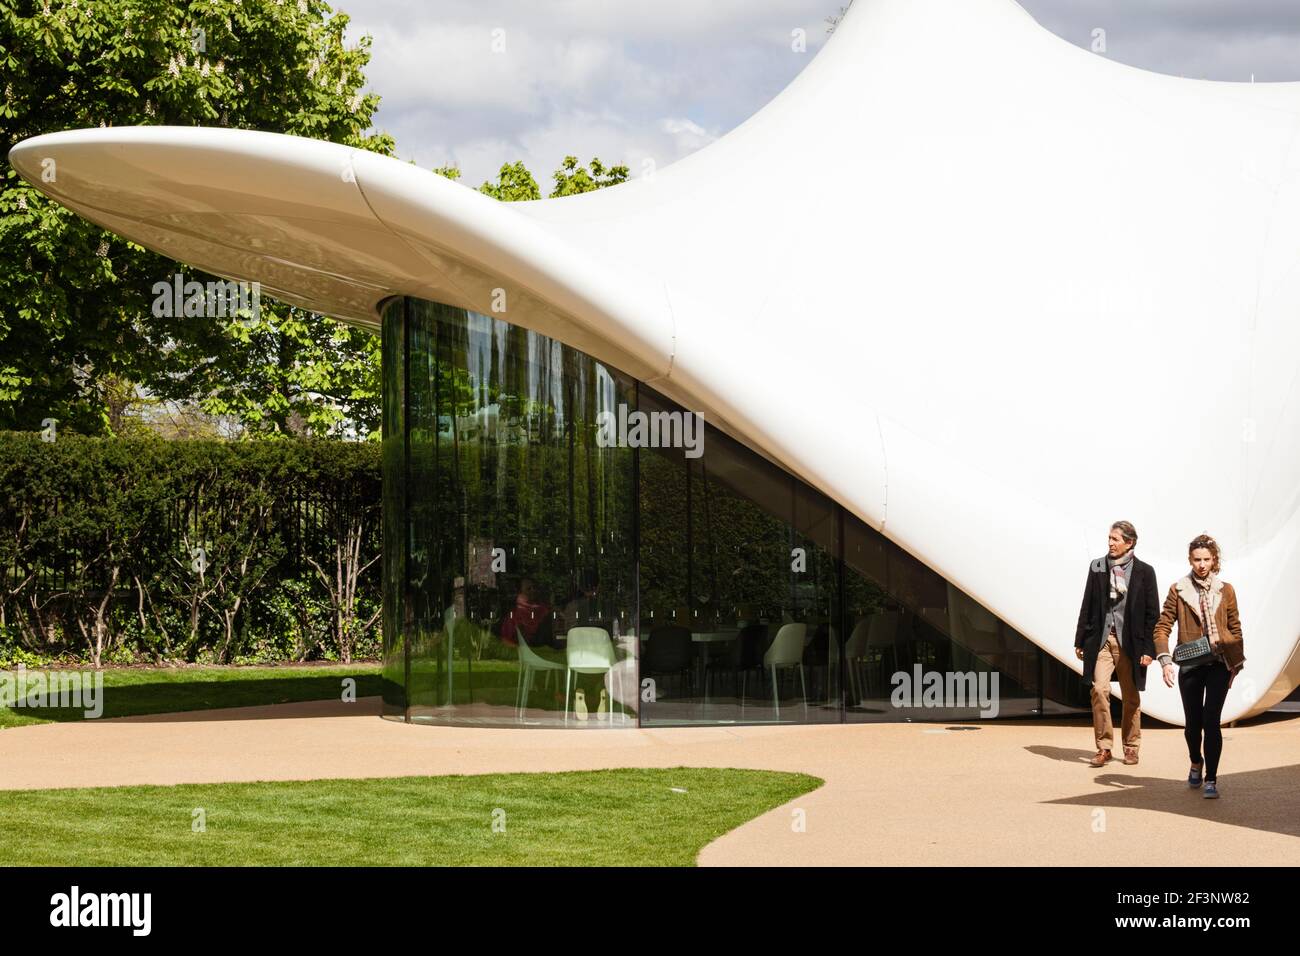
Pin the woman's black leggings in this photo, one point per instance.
(1204, 689)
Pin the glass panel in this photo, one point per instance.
(546, 565)
(395, 676)
(520, 576)
(1064, 691)
(738, 587)
(920, 649)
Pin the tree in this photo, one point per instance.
(571, 178)
(351, 513)
(514, 184)
(286, 371)
(91, 545)
(244, 549)
(75, 318)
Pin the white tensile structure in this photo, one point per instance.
(984, 288)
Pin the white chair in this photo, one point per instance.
(529, 663)
(588, 650)
(787, 651)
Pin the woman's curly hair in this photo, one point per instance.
(1205, 541)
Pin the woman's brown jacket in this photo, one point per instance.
(1182, 605)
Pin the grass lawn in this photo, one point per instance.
(132, 691)
(589, 818)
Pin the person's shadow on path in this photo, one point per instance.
(1267, 800)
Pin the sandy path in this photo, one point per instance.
(1007, 793)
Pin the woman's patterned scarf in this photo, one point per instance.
(1203, 588)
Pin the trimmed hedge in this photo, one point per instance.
(120, 550)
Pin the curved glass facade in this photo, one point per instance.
(563, 546)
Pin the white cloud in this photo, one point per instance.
(587, 77)
(687, 136)
(626, 81)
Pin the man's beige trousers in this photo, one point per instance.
(1111, 659)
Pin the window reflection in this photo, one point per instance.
(738, 588)
(534, 576)
(518, 527)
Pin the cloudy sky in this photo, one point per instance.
(479, 83)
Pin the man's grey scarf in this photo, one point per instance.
(1119, 573)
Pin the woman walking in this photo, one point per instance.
(1209, 654)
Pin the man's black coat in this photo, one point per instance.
(1141, 611)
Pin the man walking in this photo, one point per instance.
(1114, 638)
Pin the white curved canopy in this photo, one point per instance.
(989, 291)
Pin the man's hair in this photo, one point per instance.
(1127, 531)
(1209, 544)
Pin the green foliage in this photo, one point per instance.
(78, 339)
(286, 372)
(188, 550)
(75, 299)
(12, 653)
(514, 184)
(571, 178)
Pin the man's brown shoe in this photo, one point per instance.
(1102, 758)
(1130, 755)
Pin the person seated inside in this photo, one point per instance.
(529, 619)
(582, 609)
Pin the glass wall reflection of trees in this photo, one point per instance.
(534, 576)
